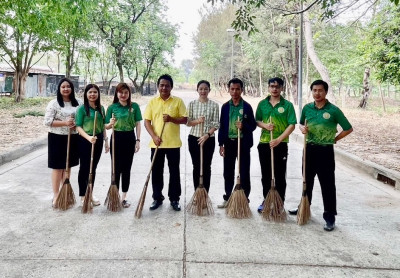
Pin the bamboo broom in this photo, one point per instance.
(200, 204)
(66, 197)
(87, 206)
(139, 208)
(304, 212)
(238, 204)
(274, 209)
(113, 200)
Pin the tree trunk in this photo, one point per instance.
(322, 70)
(382, 99)
(366, 89)
(20, 85)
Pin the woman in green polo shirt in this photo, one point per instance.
(127, 117)
(85, 115)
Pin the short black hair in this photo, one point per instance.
(166, 77)
(236, 81)
(320, 82)
(277, 80)
(204, 82)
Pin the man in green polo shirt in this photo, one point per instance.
(322, 120)
(283, 117)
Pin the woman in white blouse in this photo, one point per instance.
(59, 117)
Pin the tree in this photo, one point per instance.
(26, 29)
(187, 66)
(116, 21)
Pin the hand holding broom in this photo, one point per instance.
(87, 201)
(113, 200)
(273, 204)
(139, 208)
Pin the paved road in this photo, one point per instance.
(37, 241)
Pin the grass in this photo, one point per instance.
(29, 113)
(8, 103)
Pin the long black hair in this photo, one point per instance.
(86, 101)
(72, 98)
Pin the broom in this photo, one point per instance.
(139, 208)
(87, 201)
(66, 197)
(113, 200)
(273, 204)
(238, 205)
(304, 212)
(200, 200)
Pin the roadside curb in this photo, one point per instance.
(369, 167)
(23, 150)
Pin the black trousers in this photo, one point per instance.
(320, 161)
(280, 162)
(85, 148)
(231, 148)
(157, 174)
(125, 142)
(208, 152)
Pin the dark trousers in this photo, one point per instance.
(208, 152)
(85, 148)
(320, 161)
(280, 162)
(231, 148)
(125, 142)
(157, 174)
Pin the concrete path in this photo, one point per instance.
(37, 241)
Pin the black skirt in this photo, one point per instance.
(57, 150)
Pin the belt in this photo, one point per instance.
(319, 145)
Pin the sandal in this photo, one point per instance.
(126, 204)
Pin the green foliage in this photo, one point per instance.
(381, 46)
(29, 113)
(7, 103)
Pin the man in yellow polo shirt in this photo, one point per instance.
(170, 111)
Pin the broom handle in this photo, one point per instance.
(304, 157)
(113, 151)
(201, 152)
(155, 153)
(238, 147)
(271, 133)
(67, 162)
(92, 153)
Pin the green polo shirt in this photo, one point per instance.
(234, 113)
(86, 122)
(322, 123)
(125, 120)
(282, 115)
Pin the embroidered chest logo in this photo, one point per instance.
(326, 115)
(281, 110)
(241, 111)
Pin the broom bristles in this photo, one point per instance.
(87, 201)
(274, 209)
(238, 205)
(139, 208)
(66, 197)
(304, 212)
(113, 200)
(200, 204)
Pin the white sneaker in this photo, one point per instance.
(95, 201)
(223, 205)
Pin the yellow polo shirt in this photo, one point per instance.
(154, 111)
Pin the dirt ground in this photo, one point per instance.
(376, 136)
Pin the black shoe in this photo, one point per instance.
(155, 204)
(329, 226)
(293, 211)
(175, 205)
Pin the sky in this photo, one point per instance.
(186, 14)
